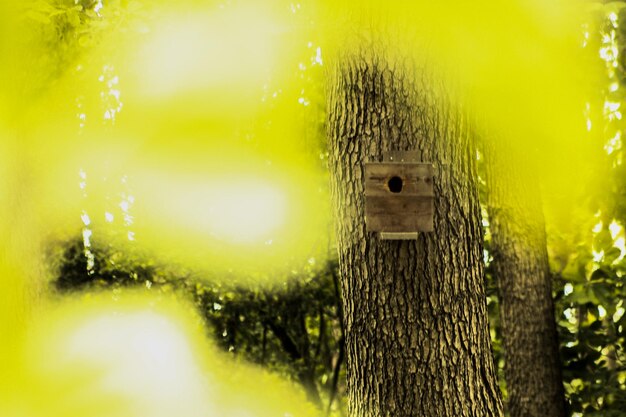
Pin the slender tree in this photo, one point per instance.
(417, 340)
(520, 266)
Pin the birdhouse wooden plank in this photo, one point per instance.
(399, 196)
(402, 178)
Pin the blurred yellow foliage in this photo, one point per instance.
(131, 355)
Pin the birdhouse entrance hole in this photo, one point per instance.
(395, 184)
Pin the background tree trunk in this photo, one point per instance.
(417, 341)
(520, 266)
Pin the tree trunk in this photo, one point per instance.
(520, 266)
(417, 340)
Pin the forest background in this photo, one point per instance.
(122, 130)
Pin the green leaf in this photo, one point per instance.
(612, 254)
(603, 241)
(603, 293)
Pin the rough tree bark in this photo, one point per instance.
(520, 266)
(417, 341)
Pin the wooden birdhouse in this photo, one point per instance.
(399, 196)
